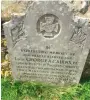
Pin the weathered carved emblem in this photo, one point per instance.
(17, 32)
(79, 36)
(48, 25)
(79, 33)
(18, 29)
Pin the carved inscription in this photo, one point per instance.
(47, 66)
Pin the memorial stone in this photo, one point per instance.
(48, 43)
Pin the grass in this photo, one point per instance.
(17, 90)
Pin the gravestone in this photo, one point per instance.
(48, 43)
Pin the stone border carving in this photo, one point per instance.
(18, 31)
(79, 34)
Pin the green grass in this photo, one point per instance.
(16, 90)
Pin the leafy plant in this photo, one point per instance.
(18, 90)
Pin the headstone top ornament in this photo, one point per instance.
(48, 25)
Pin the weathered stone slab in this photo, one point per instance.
(48, 43)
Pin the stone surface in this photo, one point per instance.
(48, 43)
